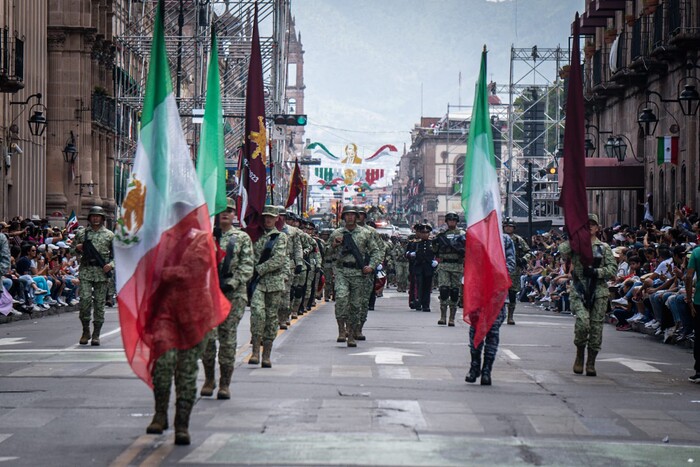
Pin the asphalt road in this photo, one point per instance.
(399, 398)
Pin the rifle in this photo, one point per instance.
(224, 272)
(92, 256)
(350, 247)
(264, 256)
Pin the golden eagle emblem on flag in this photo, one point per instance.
(133, 207)
(260, 139)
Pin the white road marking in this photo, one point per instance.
(510, 354)
(388, 355)
(13, 341)
(635, 365)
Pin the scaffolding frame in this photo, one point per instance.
(534, 69)
(187, 41)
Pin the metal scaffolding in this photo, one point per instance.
(535, 83)
(187, 40)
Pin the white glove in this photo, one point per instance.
(434, 263)
(412, 254)
(379, 267)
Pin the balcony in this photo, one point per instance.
(11, 63)
(103, 108)
(683, 23)
(647, 37)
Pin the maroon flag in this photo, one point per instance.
(254, 177)
(573, 197)
(296, 185)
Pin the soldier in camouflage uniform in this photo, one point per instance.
(368, 291)
(296, 260)
(94, 278)
(351, 272)
(307, 246)
(589, 296)
(490, 343)
(182, 364)
(522, 255)
(315, 264)
(271, 267)
(233, 282)
(401, 265)
(449, 251)
(328, 260)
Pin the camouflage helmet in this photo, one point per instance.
(361, 210)
(593, 218)
(451, 216)
(97, 211)
(508, 222)
(282, 211)
(348, 209)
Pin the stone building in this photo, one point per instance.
(640, 56)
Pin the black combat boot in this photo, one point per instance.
(224, 382)
(590, 362)
(578, 363)
(160, 418)
(474, 368)
(486, 370)
(183, 409)
(511, 311)
(209, 380)
(97, 327)
(85, 338)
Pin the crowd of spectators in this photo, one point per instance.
(649, 287)
(43, 272)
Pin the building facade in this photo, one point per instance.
(640, 56)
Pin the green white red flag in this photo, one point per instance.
(166, 271)
(72, 222)
(667, 149)
(486, 278)
(211, 167)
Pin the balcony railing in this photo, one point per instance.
(11, 62)
(683, 19)
(103, 110)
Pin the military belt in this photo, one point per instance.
(347, 264)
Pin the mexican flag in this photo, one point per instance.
(211, 167)
(72, 222)
(486, 278)
(667, 149)
(166, 273)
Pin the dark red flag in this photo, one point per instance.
(296, 185)
(255, 146)
(573, 197)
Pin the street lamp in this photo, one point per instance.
(37, 120)
(647, 119)
(70, 151)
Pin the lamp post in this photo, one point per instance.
(37, 120)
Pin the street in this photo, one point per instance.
(399, 398)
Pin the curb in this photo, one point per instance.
(54, 310)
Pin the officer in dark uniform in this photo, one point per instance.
(424, 263)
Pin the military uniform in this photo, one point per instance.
(589, 298)
(421, 251)
(307, 246)
(94, 281)
(265, 301)
(401, 266)
(449, 250)
(522, 254)
(295, 263)
(369, 297)
(233, 283)
(315, 263)
(328, 270)
(490, 344)
(349, 277)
